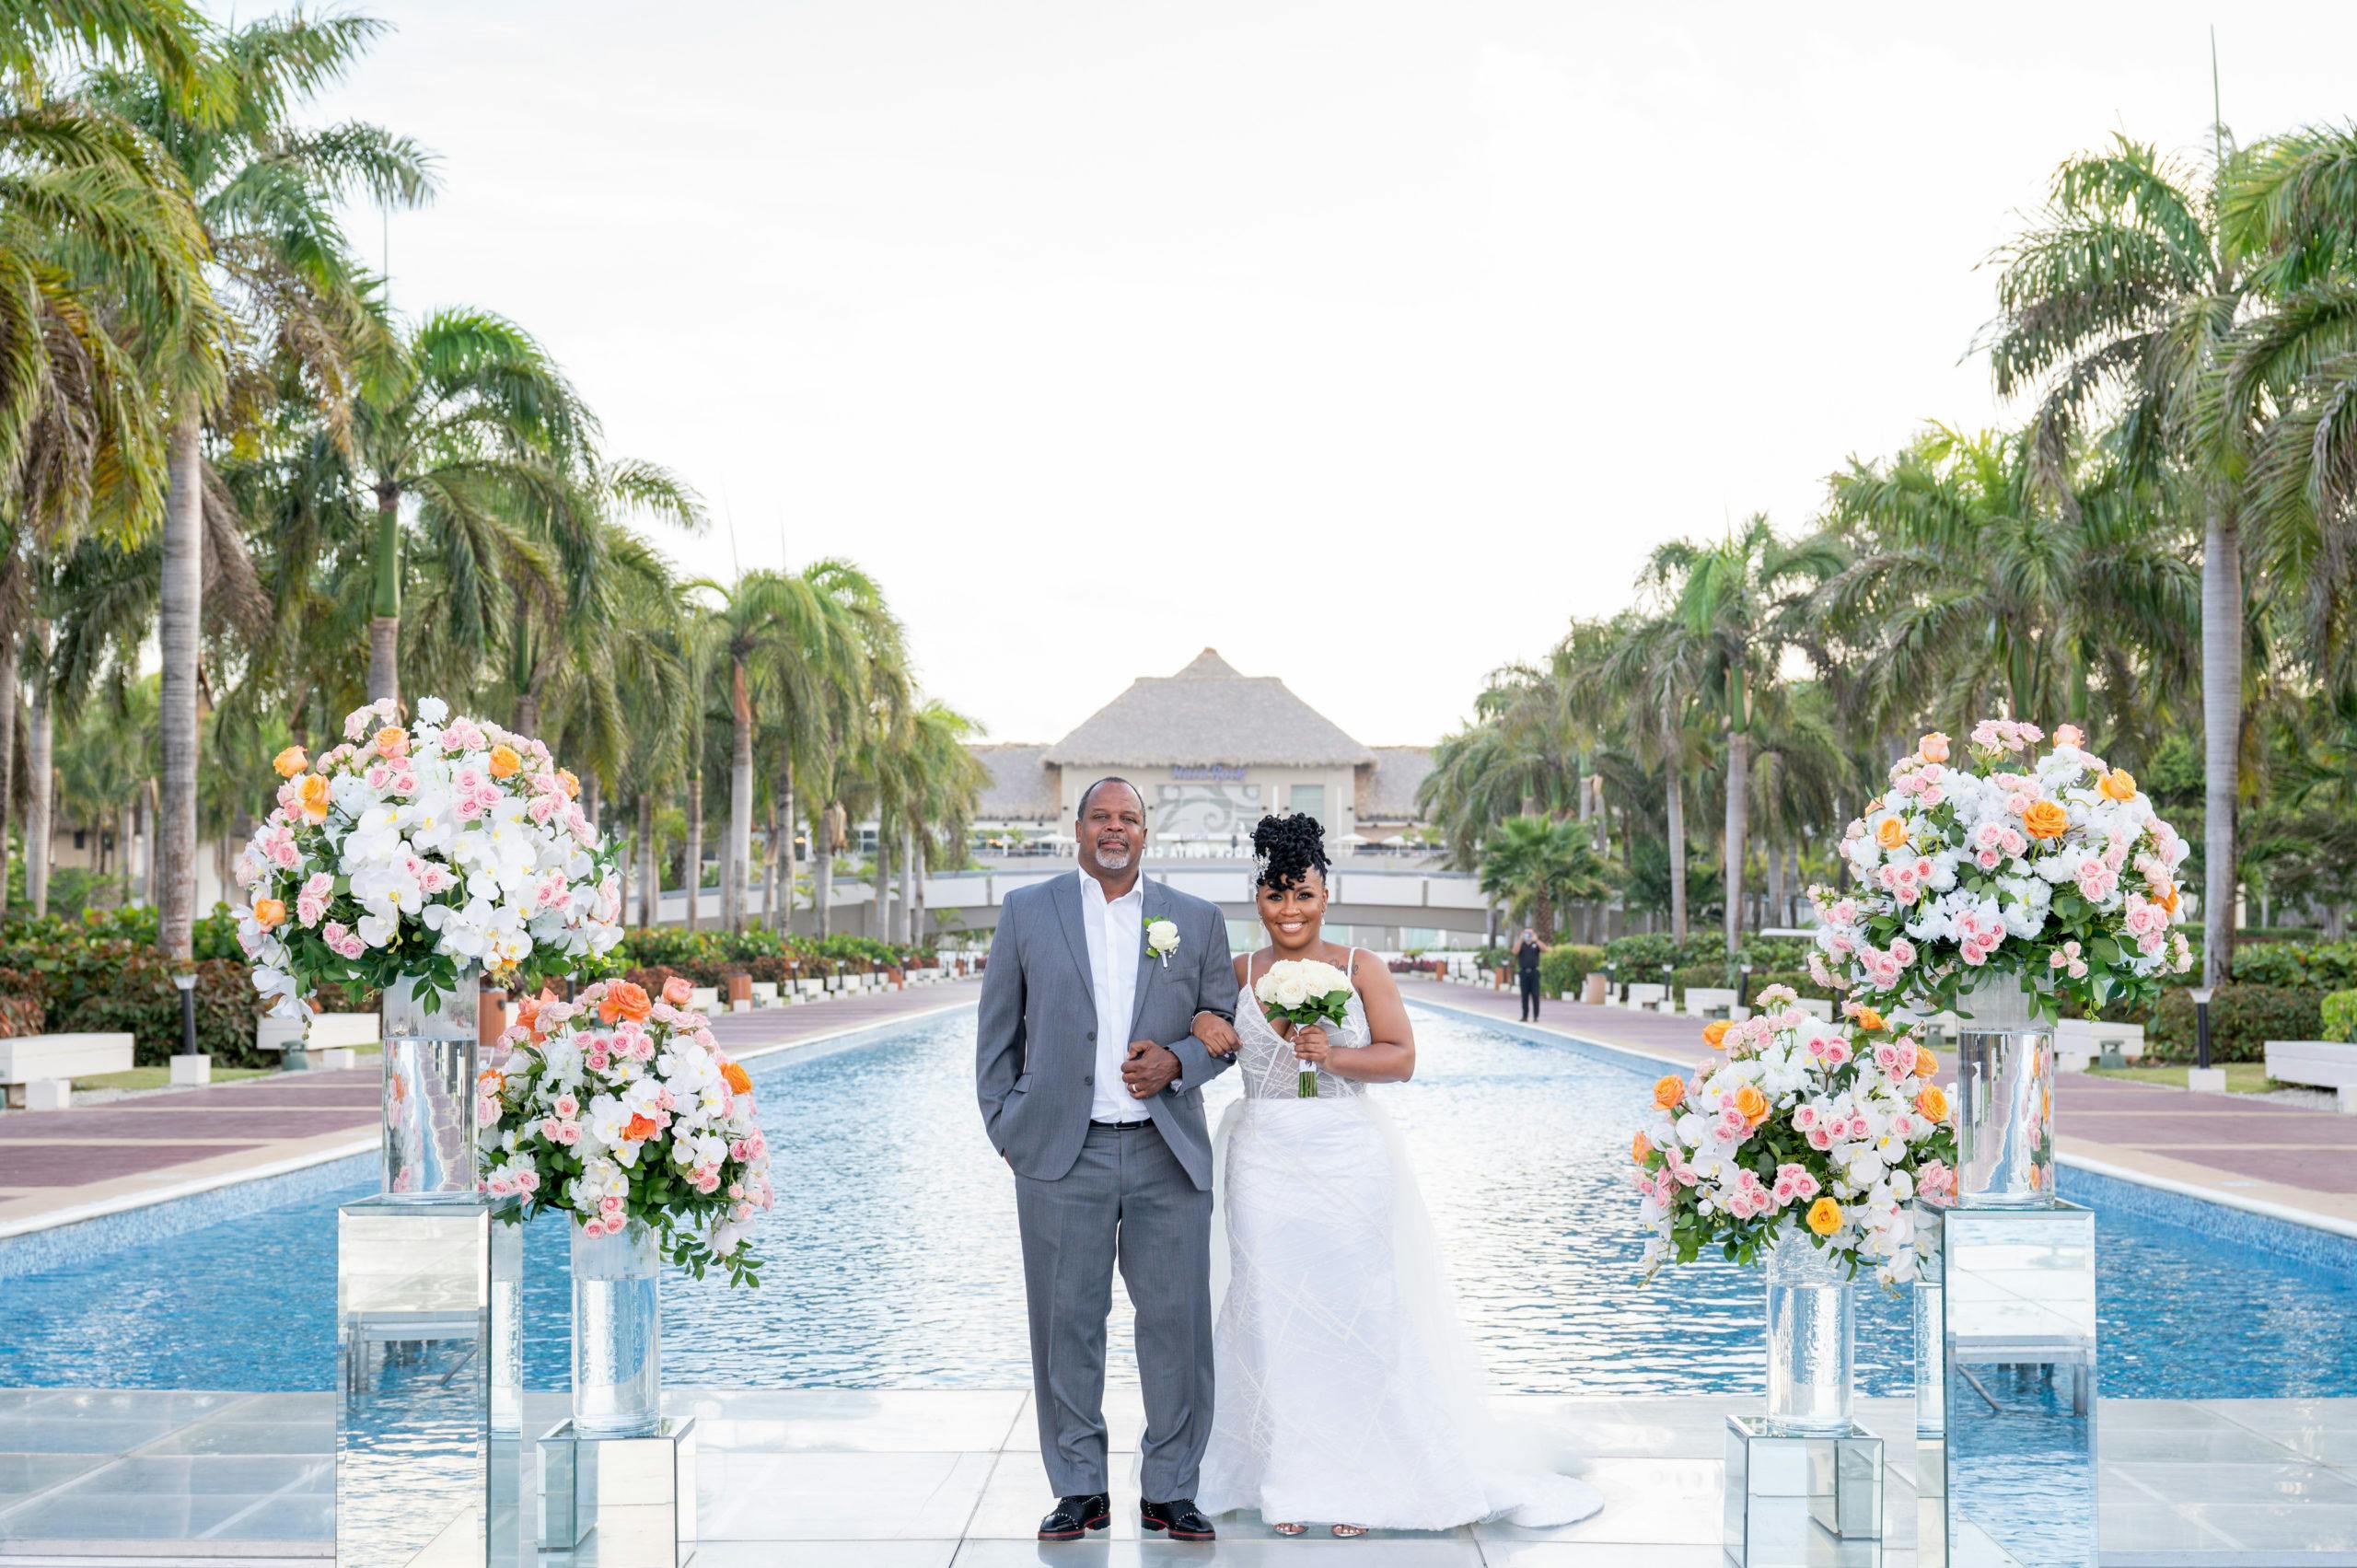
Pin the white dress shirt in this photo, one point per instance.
(1116, 929)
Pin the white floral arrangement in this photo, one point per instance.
(619, 1107)
(1304, 991)
(2054, 868)
(1161, 940)
(408, 852)
(1828, 1129)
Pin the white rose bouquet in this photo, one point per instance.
(1830, 1129)
(1304, 991)
(619, 1106)
(410, 851)
(2055, 868)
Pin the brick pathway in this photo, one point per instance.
(62, 1164)
(2229, 1145)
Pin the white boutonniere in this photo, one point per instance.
(1161, 939)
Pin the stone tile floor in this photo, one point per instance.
(927, 1479)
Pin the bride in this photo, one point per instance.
(1347, 1389)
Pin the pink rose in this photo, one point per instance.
(676, 990)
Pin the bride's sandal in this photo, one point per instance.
(1349, 1532)
(1289, 1529)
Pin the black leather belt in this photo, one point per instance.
(1124, 1126)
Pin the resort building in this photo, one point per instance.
(1212, 750)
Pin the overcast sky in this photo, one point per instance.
(1369, 343)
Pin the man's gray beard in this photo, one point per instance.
(1112, 863)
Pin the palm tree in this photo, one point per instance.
(1738, 600)
(2122, 296)
(1654, 666)
(476, 423)
(1537, 865)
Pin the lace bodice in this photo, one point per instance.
(1269, 1068)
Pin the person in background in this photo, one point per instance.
(1526, 949)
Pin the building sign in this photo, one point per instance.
(1210, 772)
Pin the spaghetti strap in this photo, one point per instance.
(1351, 965)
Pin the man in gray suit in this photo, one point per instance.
(1091, 1086)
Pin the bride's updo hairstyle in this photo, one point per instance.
(1290, 848)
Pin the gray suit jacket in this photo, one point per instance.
(1035, 1057)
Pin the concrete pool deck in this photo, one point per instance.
(60, 1167)
(2236, 1150)
(934, 1478)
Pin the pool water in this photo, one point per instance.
(892, 1260)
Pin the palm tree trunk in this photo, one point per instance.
(182, 604)
(8, 756)
(880, 926)
(40, 775)
(650, 876)
(123, 849)
(1738, 819)
(785, 848)
(769, 870)
(1676, 806)
(385, 625)
(694, 858)
(737, 858)
(822, 891)
(1775, 887)
(2222, 729)
(143, 869)
(920, 854)
(908, 885)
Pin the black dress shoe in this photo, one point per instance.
(1180, 1517)
(1074, 1517)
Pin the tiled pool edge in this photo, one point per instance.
(2313, 1241)
(67, 1239)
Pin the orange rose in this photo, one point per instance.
(676, 990)
(505, 761)
(1825, 1216)
(1933, 1103)
(1751, 1105)
(1890, 833)
(1926, 1063)
(1869, 1020)
(1669, 1092)
(313, 793)
(1933, 748)
(2117, 784)
(290, 761)
(623, 1000)
(1640, 1149)
(491, 1081)
(571, 786)
(392, 741)
(741, 1082)
(641, 1128)
(2045, 819)
(2167, 897)
(269, 913)
(1714, 1033)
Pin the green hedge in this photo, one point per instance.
(2243, 1018)
(2316, 966)
(2340, 1015)
(1563, 971)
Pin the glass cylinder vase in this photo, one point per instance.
(2004, 1114)
(617, 1332)
(1811, 1336)
(430, 1052)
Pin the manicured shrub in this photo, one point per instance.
(2318, 966)
(2243, 1018)
(23, 1004)
(1563, 971)
(137, 997)
(2340, 1014)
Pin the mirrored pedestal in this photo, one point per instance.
(2017, 1378)
(1803, 1501)
(618, 1502)
(429, 1393)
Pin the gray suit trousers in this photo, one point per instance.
(1128, 1198)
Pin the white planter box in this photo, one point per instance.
(191, 1071)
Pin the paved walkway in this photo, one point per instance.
(57, 1166)
(2232, 1147)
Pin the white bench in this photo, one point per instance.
(2319, 1063)
(1648, 996)
(317, 1041)
(705, 999)
(37, 1071)
(765, 993)
(2079, 1043)
(1705, 1001)
(1816, 1007)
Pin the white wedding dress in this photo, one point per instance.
(1347, 1390)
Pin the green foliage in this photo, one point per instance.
(2340, 1015)
(1563, 971)
(2243, 1018)
(2318, 966)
